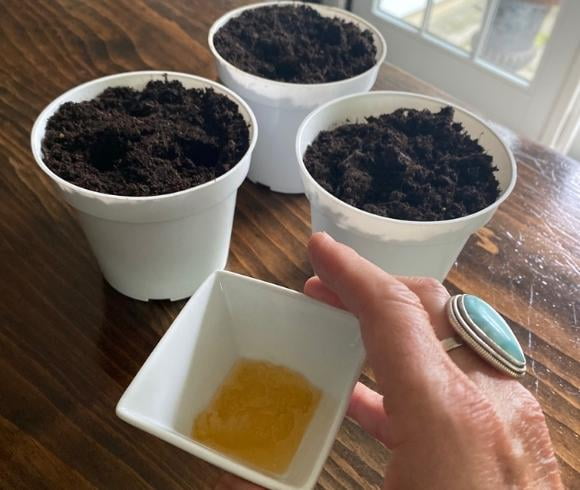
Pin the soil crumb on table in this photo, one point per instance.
(162, 139)
(411, 165)
(295, 44)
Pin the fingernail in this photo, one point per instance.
(326, 236)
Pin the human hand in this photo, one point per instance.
(450, 420)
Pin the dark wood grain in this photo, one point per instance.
(69, 344)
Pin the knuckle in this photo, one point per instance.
(430, 285)
(531, 407)
(477, 416)
(396, 292)
(527, 405)
(531, 414)
(470, 406)
(517, 437)
(530, 428)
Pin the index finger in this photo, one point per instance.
(402, 348)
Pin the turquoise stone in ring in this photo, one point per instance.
(487, 333)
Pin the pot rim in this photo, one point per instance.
(323, 9)
(382, 219)
(61, 99)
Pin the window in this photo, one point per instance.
(509, 59)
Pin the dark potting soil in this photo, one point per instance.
(412, 165)
(295, 44)
(162, 139)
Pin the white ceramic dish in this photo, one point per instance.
(232, 316)
(157, 247)
(280, 107)
(410, 248)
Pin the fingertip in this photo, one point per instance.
(310, 283)
(367, 410)
(317, 243)
(321, 235)
(329, 256)
(316, 289)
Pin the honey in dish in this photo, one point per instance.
(259, 415)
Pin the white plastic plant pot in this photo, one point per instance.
(232, 317)
(411, 248)
(280, 107)
(157, 247)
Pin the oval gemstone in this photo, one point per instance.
(494, 326)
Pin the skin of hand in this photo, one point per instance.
(450, 420)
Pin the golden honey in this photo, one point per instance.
(259, 415)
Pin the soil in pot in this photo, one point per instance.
(163, 139)
(295, 44)
(410, 164)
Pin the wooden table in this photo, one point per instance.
(70, 345)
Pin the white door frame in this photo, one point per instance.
(564, 121)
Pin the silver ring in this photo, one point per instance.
(451, 343)
(483, 329)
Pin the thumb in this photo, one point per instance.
(410, 365)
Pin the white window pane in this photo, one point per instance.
(457, 21)
(518, 35)
(409, 11)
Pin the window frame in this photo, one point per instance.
(526, 106)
